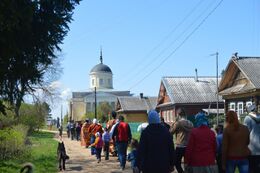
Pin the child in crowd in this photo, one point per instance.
(131, 157)
(106, 139)
(61, 153)
(98, 144)
(219, 138)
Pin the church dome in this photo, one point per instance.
(101, 68)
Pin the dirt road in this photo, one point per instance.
(81, 160)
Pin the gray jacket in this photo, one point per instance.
(252, 121)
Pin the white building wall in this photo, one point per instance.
(97, 76)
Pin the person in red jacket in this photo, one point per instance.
(122, 135)
(201, 150)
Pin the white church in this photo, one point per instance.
(101, 80)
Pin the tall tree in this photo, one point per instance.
(103, 110)
(30, 34)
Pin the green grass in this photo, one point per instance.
(42, 154)
(136, 135)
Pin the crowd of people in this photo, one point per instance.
(184, 146)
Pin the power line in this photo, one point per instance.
(174, 41)
(161, 42)
(178, 47)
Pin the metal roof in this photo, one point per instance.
(101, 68)
(188, 90)
(84, 94)
(251, 67)
(137, 103)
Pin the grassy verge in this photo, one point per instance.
(136, 136)
(42, 154)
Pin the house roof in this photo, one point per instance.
(249, 66)
(188, 90)
(136, 103)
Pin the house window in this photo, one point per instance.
(164, 115)
(240, 109)
(168, 116)
(232, 106)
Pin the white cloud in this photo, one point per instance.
(56, 85)
(66, 93)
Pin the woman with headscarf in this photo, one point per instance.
(200, 152)
(235, 145)
(156, 149)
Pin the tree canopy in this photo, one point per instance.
(30, 34)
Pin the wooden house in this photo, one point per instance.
(135, 109)
(240, 85)
(191, 93)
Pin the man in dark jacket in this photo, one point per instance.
(156, 149)
(122, 135)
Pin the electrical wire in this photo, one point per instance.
(165, 38)
(179, 46)
(174, 41)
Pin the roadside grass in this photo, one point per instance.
(136, 135)
(42, 154)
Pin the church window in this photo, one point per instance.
(109, 81)
(93, 82)
(101, 81)
(93, 107)
(88, 107)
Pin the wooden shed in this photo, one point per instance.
(135, 108)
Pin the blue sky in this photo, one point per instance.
(144, 40)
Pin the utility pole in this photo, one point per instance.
(95, 93)
(216, 54)
(61, 116)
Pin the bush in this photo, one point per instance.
(12, 142)
(7, 120)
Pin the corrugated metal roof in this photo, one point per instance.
(137, 104)
(251, 67)
(188, 90)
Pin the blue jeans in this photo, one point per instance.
(93, 149)
(122, 149)
(243, 166)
